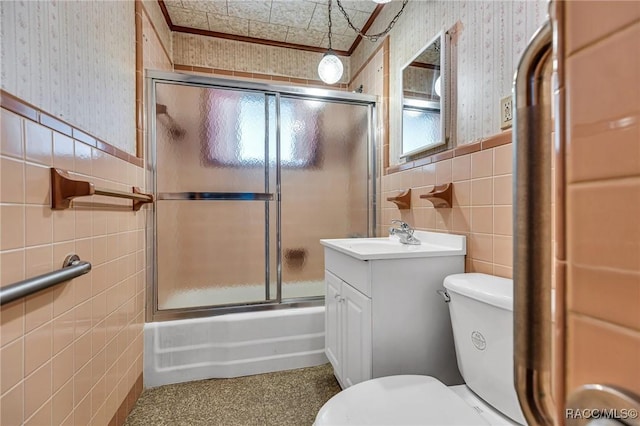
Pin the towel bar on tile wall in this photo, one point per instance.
(72, 267)
(64, 189)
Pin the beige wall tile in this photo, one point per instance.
(37, 348)
(12, 226)
(38, 387)
(63, 156)
(604, 114)
(606, 294)
(503, 189)
(481, 164)
(62, 402)
(39, 309)
(11, 135)
(602, 361)
(503, 250)
(461, 168)
(482, 219)
(12, 267)
(40, 229)
(462, 193)
(38, 143)
(38, 185)
(503, 160)
(12, 181)
(609, 235)
(592, 20)
(482, 192)
(481, 246)
(63, 335)
(502, 271)
(443, 172)
(12, 322)
(12, 365)
(503, 220)
(12, 406)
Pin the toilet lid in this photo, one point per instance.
(398, 400)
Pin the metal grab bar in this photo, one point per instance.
(72, 267)
(532, 233)
(64, 189)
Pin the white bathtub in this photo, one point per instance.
(233, 345)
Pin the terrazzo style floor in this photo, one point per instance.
(280, 399)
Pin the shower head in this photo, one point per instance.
(174, 129)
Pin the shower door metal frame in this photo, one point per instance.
(153, 77)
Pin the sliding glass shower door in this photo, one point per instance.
(247, 181)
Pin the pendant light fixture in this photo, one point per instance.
(330, 67)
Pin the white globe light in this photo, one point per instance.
(382, 1)
(330, 68)
(436, 86)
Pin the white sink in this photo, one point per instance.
(433, 244)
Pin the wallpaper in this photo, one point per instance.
(159, 23)
(488, 39)
(75, 60)
(202, 51)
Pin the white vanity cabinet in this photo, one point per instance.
(347, 331)
(383, 315)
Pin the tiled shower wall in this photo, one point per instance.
(70, 354)
(602, 264)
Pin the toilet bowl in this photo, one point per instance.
(481, 309)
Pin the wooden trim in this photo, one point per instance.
(129, 401)
(497, 140)
(467, 149)
(26, 110)
(165, 13)
(402, 200)
(255, 40)
(366, 27)
(17, 105)
(440, 196)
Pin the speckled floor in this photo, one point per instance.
(280, 399)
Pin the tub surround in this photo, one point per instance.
(233, 345)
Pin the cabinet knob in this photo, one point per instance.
(337, 297)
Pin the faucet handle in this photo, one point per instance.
(403, 225)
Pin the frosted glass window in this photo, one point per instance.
(237, 136)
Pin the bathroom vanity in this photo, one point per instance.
(383, 315)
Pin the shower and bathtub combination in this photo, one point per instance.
(248, 178)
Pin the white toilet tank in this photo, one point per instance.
(481, 311)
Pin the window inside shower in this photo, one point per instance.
(248, 178)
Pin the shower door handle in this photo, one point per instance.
(532, 233)
(217, 196)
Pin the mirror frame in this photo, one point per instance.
(445, 101)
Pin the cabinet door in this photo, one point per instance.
(356, 328)
(333, 333)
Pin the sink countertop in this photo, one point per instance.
(433, 244)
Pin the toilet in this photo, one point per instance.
(481, 309)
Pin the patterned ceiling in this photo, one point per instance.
(301, 22)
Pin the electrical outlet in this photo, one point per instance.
(506, 112)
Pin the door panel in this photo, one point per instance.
(357, 338)
(333, 330)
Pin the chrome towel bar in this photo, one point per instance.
(72, 267)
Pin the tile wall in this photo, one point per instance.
(602, 91)
(70, 354)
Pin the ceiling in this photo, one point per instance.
(301, 24)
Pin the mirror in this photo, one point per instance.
(424, 99)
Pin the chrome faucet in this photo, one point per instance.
(404, 231)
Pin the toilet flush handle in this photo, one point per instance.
(445, 295)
